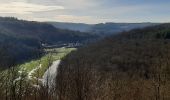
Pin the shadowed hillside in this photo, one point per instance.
(22, 40)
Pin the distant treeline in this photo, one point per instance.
(102, 29)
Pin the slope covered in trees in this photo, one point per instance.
(21, 40)
(133, 65)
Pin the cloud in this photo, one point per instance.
(26, 8)
(87, 11)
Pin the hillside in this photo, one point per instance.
(72, 26)
(113, 28)
(21, 40)
(133, 65)
(102, 29)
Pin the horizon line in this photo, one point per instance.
(45, 21)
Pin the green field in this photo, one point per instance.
(45, 61)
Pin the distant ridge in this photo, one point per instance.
(72, 26)
(103, 29)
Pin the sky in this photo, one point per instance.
(87, 11)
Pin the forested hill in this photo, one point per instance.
(20, 39)
(42, 31)
(111, 52)
(130, 63)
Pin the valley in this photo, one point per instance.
(27, 39)
(113, 61)
(84, 50)
(39, 71)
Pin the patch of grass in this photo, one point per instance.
(46, 60)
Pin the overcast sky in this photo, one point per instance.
(88, 11)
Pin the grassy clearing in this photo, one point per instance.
(45, 61)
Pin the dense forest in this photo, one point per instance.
(22, 40)
(132, 65)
